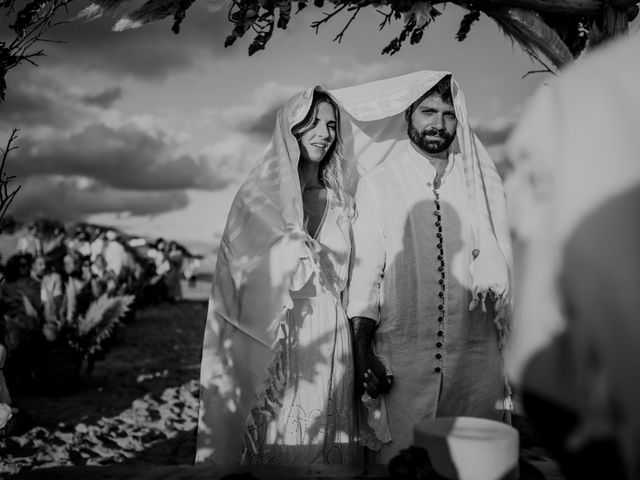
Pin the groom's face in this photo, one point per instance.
(432, 125)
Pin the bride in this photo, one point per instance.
(277, 365)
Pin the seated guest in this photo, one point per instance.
(51, 293)
(20, 321)
(77, 292)
(30, 242)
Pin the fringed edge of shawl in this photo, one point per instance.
(269, 402)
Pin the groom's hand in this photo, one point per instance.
(375, 380)
(371, 374)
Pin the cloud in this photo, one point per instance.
(151, 52)
(233, 157)
(255, 119)
(259, 117)
(31, 102)
(354, 73)
(36, 100)
(104, 99)
(125, 157)
(71, 131)
(496, 130)
(55, 196)
(494, 133)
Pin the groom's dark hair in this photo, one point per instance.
(441, 89)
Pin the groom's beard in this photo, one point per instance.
(430, 145)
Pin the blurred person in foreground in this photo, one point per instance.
(277, 364)
(429, 292)
(575, 202)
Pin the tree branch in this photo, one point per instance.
(338, 37)
(328, 16)
(6, 196)
(386, 20)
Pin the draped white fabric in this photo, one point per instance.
(375, 129)
(262, 249)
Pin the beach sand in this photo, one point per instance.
(139, 406)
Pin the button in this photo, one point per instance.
(428, 184)
(440, 268)
(441, 294)
(440, 257)
(438, 223)
(441, 281)
(439, 235)
(438, 356)
(440, 333)
(439, 245)
(439, 344)
(440, 319)
(441, 307)
(437, 369)
(436, 213)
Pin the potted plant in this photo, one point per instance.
(70, 343)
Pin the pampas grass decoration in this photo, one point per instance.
(101, 318)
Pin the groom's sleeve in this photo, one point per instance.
(369, 255)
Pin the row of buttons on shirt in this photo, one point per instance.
(441, 282)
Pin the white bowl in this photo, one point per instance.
(470, 448)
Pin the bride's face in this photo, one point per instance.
(318, 139)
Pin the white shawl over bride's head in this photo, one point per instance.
(375, 128)
(264, 251)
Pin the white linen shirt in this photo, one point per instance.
(445, 359)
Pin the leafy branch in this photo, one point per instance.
(555, 30)
(30, 24)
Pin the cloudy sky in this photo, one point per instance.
(152, 132)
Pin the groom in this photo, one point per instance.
(418, 346)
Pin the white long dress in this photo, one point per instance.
(310, 419)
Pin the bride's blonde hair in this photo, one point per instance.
(333, 165)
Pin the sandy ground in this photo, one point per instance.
(139, 406)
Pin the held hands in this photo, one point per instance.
(371, 375)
